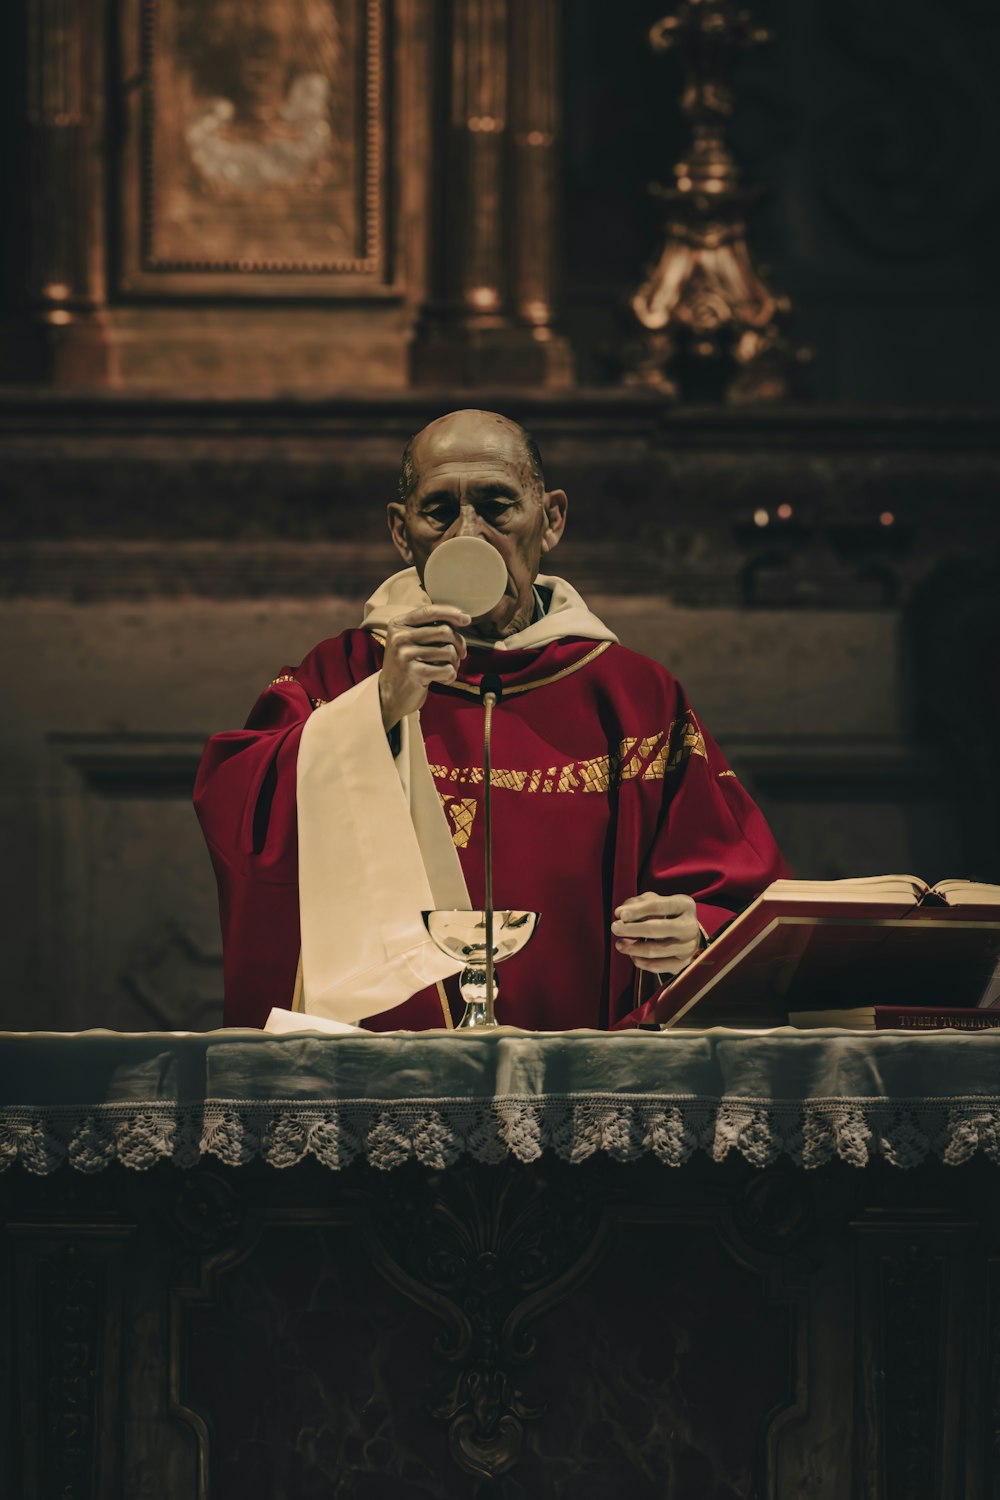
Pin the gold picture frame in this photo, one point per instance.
(255, 148)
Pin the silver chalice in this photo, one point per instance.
(463, 934)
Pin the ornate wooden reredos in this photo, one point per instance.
(371, 183)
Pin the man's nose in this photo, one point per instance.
(469, 522)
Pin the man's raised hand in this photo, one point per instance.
(421, 647)
(659, 933)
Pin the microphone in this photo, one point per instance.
(490, 692)
(491, 684)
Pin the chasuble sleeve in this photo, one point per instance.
(713, 842)
(244, 797)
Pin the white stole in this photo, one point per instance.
(375, 851)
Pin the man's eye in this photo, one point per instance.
(496, 510)
(443, 515)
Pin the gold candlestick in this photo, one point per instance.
(704, 304)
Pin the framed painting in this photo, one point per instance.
(255, 158)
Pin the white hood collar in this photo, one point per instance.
(567, 615)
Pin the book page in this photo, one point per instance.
(968, 892)
(869, 888)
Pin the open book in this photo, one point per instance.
(836, 944)
(893, 890)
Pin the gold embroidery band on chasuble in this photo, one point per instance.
(649, 758)
(287, 677)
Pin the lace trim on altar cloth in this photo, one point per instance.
(436, 1132)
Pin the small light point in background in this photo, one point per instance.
(887, 518)
(784, 512)
(760, 518)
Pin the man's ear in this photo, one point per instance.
(395, 513)
(555, 505)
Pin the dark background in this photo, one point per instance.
(189, 508)
(873, 129)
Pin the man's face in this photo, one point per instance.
(474, 478)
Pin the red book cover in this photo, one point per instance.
(923, 1018)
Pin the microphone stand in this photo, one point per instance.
(491, 691)
(460, 934)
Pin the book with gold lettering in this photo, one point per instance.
(900, 1018)
(802, 945)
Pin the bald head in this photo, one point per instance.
(477, 473)
(469, 436)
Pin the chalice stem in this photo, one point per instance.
(489, 703)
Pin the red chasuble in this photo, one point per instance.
(605, 784)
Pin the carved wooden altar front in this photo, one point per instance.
(238, 1268)
(512, 1330)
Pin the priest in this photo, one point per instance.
(352, 800)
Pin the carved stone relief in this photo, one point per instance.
(256, 146)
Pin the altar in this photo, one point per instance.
(716, 1264)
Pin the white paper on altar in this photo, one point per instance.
(281, 1021)
(375, 851)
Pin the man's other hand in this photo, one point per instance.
(659, 933)
(421, 647)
